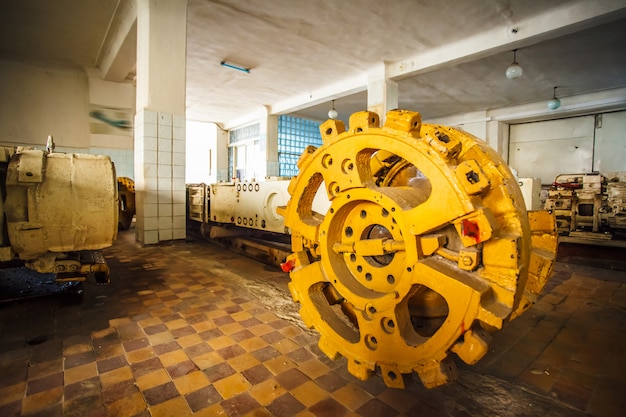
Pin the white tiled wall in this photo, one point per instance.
(160, 183)
(122, 158)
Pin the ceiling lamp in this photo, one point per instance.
(235, 67)
(332, 113)
(514, 70)
(554, 103)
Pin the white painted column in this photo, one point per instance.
(268, 139)
(382, 92)
(160, 126)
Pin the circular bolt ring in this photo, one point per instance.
(368, 253)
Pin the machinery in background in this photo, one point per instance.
(243, 216)
(531, 190)
(126, 193)
(407, 243)
(589, 206)
(59, 210)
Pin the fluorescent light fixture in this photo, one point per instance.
(235, 67)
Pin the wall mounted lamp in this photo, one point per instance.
(514, 70)
(554, 103)
(235, 67)
(332, 113)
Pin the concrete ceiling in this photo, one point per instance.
(447, 56)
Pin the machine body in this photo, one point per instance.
(58, 210)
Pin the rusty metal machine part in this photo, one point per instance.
(59, 208)
(126, 192)
(425, 250)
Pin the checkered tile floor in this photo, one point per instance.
(179, 332)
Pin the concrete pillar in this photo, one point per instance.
(498, 137)
(268, 141)
(382, 93)
(160, 126)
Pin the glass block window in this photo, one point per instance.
(243, 141)
(294, 135)
(245, 133)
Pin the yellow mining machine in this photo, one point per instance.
(425, 250)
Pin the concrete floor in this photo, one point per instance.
(192, 329)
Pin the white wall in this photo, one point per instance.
(207, 153)
(493, 125)
(38, 101)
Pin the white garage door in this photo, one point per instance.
(547, 149)
(610, 145)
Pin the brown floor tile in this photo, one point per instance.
(158, 328)
(55, 410)
(253, 344)
(267, 391)
(84, 388)
(280, 364)
(285, 406)
(266, 353)
(160, 393)
(80, 373)
(153, 379)
(219, 371)
(243, 362)
(191, 382)
(45, 383)
(111, 364)
(189, 340)
(328, 407)
(12, 393)
(11, 409)
(42, 369)
(146, 367)
(135, 344)
(175, 407)
(131, 406)
(43, 399)
(576, 395)
(84, 406)
(309, 393)
(239, 405)
(376, 408)
(313, 368)
(232, 385)
(181, 368)
(257, 374)
(230, 352)
(173, 358)
(79, 359)
(291, 379)
(116, 376)
(198, 349)
(140, 355)
(202, 398)
(166, 347)
(119, 391)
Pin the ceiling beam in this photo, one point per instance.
(118, 54)
(564, 19)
